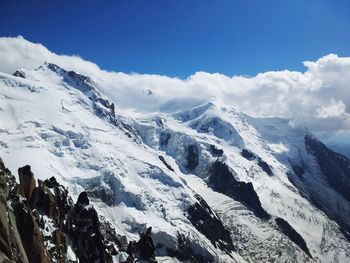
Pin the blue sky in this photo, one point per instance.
(178, 38)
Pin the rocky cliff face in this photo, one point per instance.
(42, 224)
(335, 167)
(216, 185)
(223, 181)
(21, 236)
(11, 247)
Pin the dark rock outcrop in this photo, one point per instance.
(50, 199)
(102, 188)
(215, 152)
(192, 157)
(9, 180)
(248, 154)
(165, 163)
(142, 250)
(83, 199)
(293, 235)
(29, 231)
(42, 228)
(264, 166)
(19, 74)
(115, 243)
(209, 224)
(185, 252)
(164, 139)
(21, 239)
(298, 169)
(26, 181)
(11, 247)
(334, 166)
(61, 197)
(85, 231)
(103, 193)
(345, 233)
(43, 201)
(221, 179)
(145, 246)
(49, 204)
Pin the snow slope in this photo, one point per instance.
(156, 157)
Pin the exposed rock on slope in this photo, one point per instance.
(84, 227)
(192, 157)
(210, 225)
(289, 231)
(222, 180)
(23, 241)
(98, 136)
(251, 156)
(48, 227)
(11, 247)
(335, 167)
(26, 181)
(19, 74)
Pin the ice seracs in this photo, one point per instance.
(213, 182)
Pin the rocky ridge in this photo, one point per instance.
(41, 223)
(215, 184)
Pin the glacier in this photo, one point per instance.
(232, 187)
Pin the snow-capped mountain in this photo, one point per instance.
(215, 184)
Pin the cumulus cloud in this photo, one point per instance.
(16, 53)
(334, 109)
(318, 98)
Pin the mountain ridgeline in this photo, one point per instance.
(190, 181)
(40, 223)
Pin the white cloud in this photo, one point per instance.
(334, 109)
(18, 53)
(318, 98)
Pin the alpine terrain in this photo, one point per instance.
(92, 172)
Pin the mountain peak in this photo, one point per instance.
(160, 169)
